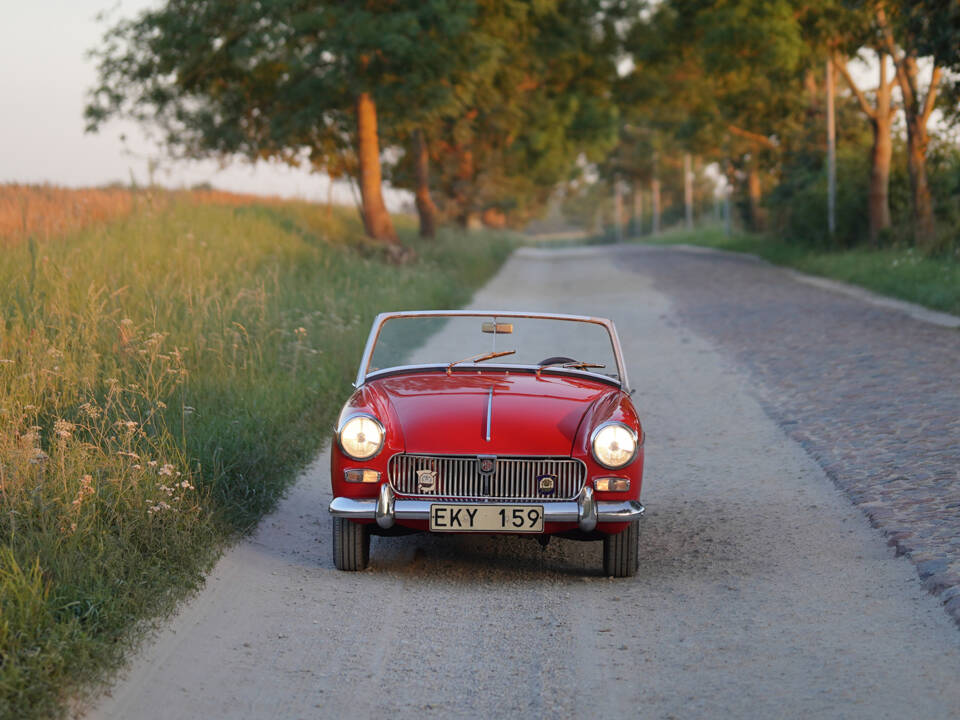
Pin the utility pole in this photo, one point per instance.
(688, 189)
(831, 153)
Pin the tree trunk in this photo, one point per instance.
(728, 200)
(426, 208)
(329, 198)
(917, 141)
(637, 229)
(688, 190)
(831, 152)
(880, 156)
(655, 204)
(376, 219)
(617, 212)
(494, 218)
(755, 193)
(813, 95)
(467, 216)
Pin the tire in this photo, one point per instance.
(621, 552)
(351, 545)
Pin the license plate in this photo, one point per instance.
(486, 518)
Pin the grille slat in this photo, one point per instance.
(514, 478)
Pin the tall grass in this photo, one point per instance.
(162, 377)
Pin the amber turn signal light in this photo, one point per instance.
(608, 484)
(361, 476)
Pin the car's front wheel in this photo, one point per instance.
(351, 544)
(621, 551)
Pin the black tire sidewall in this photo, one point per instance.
(621, 552)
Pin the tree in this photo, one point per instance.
(880, 115)
(723, 79)
(525, 120)
(917, 109)
(935, 27)
(289, 79)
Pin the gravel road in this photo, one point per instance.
(762, 591)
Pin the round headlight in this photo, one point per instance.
(361, 437)
(614, 445)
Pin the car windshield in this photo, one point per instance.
(478, 340)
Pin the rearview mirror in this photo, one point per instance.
(498, 328)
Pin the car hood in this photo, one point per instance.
(448, 414)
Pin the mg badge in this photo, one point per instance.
(547, 484)
(486, 464)
(426, 481)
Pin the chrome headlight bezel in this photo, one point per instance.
(596, 433)
(359, 416)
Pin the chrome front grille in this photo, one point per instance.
(458, 477)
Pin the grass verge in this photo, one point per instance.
(899, 272)
(162, 379)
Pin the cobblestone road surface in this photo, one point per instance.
(872, 394)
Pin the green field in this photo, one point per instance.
(162, 379)
(903, 273)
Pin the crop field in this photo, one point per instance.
(48, 211)
(167, 364)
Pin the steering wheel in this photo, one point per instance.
(556, 360)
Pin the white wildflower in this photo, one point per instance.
(85, 491)
(130, 425)
(91, 410)
(63, 429)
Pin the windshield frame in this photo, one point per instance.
(363, 374)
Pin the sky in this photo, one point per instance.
(44, 80)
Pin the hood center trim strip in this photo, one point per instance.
(489, 412)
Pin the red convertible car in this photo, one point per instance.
(489, 422)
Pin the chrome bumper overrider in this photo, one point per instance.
(585, 510)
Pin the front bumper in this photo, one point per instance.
(585, 510)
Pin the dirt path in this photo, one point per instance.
(762, 592)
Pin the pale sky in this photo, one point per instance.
(44, 79)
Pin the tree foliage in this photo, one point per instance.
(488, 106)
